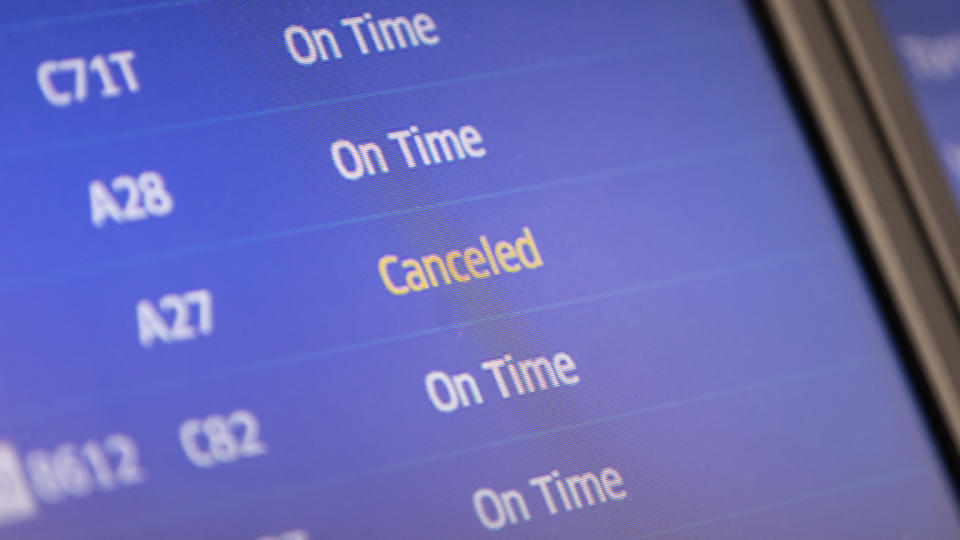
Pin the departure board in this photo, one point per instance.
(428, 269)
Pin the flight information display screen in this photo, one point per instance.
(323, 269)
(926, 36)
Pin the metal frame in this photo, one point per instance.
(906, 264)
(906, 137)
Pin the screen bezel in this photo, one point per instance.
(863, 184)
(882, 82)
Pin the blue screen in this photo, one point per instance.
(926, 36)
(433, 269)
